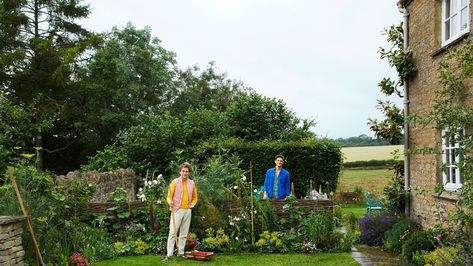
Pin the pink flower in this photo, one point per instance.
(442, 205)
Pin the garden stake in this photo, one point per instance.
(251, 200)
(39, 260)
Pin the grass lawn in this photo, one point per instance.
(367, 153)
(372, 180)
(242, 259)
(357, 209)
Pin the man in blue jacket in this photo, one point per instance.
(277, 182)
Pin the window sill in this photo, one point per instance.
(448, 195)
(447, 46)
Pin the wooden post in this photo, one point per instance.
(39, 260)
(251, 202)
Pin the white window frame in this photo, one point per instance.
(451, 23)
(451, 175)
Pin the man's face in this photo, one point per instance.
(279, 162)
(184, 172)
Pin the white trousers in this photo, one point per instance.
(182, 223)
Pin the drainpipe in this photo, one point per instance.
(407, 175)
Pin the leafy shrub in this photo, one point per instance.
(269, 242)
(419, 241)
(319, 228)
(214, 241)
(374, 225)
(442, 256)
(399, 233)
(350, 221)
(370, 163)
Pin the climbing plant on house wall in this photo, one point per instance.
(400, 58)
(452, 114)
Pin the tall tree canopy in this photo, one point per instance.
(40, 50)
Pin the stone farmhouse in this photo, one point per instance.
(432, 28)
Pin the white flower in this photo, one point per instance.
(235, 187)
(255, 190)
(140, 189)
(90, 185)
(155, 182)
(236, 238)
(243, 178)
(160, 175)
(159, 201)
(232, 224)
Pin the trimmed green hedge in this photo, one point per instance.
(370, 163)
(316, 160)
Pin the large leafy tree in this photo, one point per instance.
(207, 89)
(41, 46)
(254, 117)
(128, 75)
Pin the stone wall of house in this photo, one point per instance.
(11, 250)
(105, 182)
(425, 42)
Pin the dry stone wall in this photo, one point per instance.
(105, 182)
(11, 250)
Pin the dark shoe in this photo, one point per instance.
(165, 258)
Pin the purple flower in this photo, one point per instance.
(438, 237)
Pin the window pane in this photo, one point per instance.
(447, 157)
(453, 25)
(454, 176)
(447, 9)
(454, 7)
(447, 175)
(464, 18)
(464, 3)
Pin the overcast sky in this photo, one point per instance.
(320, 57)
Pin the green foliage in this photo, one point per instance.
(254, 117)
(57, 213)
(269, 242)
(399, 233)
(361, 140)
(451, 110)
(419, 241)
(214, 241)
(370, 163)
(41, 49)
(319, 228)
(442, 256)
(120, 213)
(316, 161)
(400, 58)
(207, 90)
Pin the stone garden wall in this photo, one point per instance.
(11, 250)
(105, 182)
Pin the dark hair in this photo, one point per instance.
(279, 156)
(185, 165)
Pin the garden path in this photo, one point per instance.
(368, 256)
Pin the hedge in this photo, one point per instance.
(370, 163)
(318, 161)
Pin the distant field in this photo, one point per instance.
(372, 180)
(367, 153)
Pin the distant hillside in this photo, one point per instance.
(361, 140)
